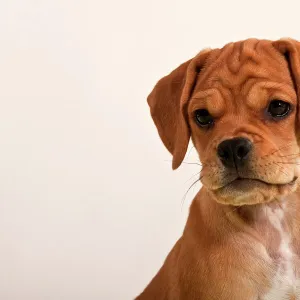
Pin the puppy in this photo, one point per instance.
(240, 107)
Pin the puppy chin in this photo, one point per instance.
(251, 193)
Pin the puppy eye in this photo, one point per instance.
(203, 118)
(278, 108)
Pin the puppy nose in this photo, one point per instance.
(234, 152)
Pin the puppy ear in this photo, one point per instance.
(168, 105)
(291, 50)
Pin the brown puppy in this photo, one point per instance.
(240, 106)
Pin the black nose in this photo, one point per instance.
(234, 152)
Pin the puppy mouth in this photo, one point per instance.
(241, 183)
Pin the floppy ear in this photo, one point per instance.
(168, 102)
(291, 50)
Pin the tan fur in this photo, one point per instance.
(231, 246)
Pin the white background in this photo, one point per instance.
(89, 206)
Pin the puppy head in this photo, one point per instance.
(239, 105)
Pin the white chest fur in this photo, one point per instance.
(284, 284)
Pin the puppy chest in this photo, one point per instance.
(284, 285)
(284, 282)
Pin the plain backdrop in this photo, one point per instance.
(89, 205)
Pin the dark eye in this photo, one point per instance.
(278, 108)
(203, 118)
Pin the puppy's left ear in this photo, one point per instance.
(168, 104)
(291, 50)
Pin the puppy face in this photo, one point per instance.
(242, 116)
(239, 104)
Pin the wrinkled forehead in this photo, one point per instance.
(239, 65)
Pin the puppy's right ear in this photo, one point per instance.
(168, 102)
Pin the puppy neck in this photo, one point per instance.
(258, 220)
(284, 209)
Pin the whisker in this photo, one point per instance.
(191, 163)
(193, 176)
(281, 169)
(187, 163)
(287, 163)
(295, 154)
(193, 147)
(184, 197)
(283, 147)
